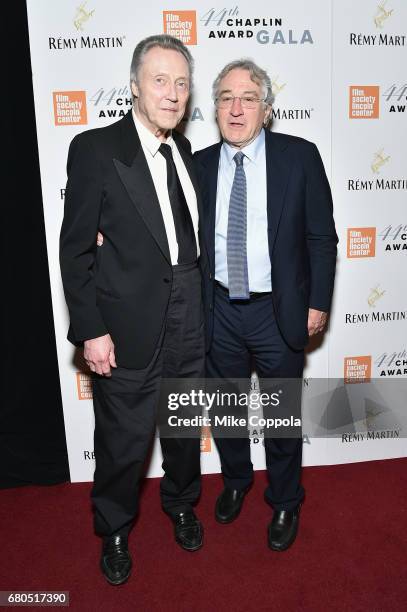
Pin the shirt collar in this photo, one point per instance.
(147, 138)
(252, 151)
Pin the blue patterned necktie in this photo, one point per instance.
(238, 278)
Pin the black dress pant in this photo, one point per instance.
(247, 331)
(125, 408)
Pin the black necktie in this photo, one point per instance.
(184, 228)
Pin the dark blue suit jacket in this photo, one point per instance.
(301, 229)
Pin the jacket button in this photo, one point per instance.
(210, 275)
(166, 280)
(210, 306)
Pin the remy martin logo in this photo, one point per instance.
(275, 87)
(379, 160)
(374, 296)
(382, 14)
(82, 16)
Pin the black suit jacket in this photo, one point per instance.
(122, 287)
(301, 231)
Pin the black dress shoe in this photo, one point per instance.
(229, 504)
(115, 562)
(188, 530)
(283, 528)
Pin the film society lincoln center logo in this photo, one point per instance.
(70, 108)
(364, 101)
(182, 25)
(361, 242)
(357, 369)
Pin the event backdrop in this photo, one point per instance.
(337, 68)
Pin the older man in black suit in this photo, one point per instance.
(135, 301)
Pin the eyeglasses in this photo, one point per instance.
(226, 101)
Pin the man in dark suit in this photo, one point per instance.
(271, 242)
(135, 302)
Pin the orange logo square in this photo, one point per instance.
(361, 242)
(206, 439)
(357, 369)
(364, 101)
(84, 385)
(70, 108)
(182, 25)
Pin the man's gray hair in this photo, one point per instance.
(257, 75)
(164, 41)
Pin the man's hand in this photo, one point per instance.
(99, 355)
(316, 321)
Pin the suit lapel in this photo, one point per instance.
(209, 192)
(135, 175)
(278, 173)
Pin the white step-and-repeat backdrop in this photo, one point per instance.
(338, 72)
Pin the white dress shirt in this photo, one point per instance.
(158, 168)
(258, 257)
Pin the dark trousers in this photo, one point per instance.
(247, 331)
(125, 417)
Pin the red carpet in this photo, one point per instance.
(351, 552)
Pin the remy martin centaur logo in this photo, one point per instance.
(382, 14)
(374, 296)
(379, 160)
(82, 16)
(275, 86)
